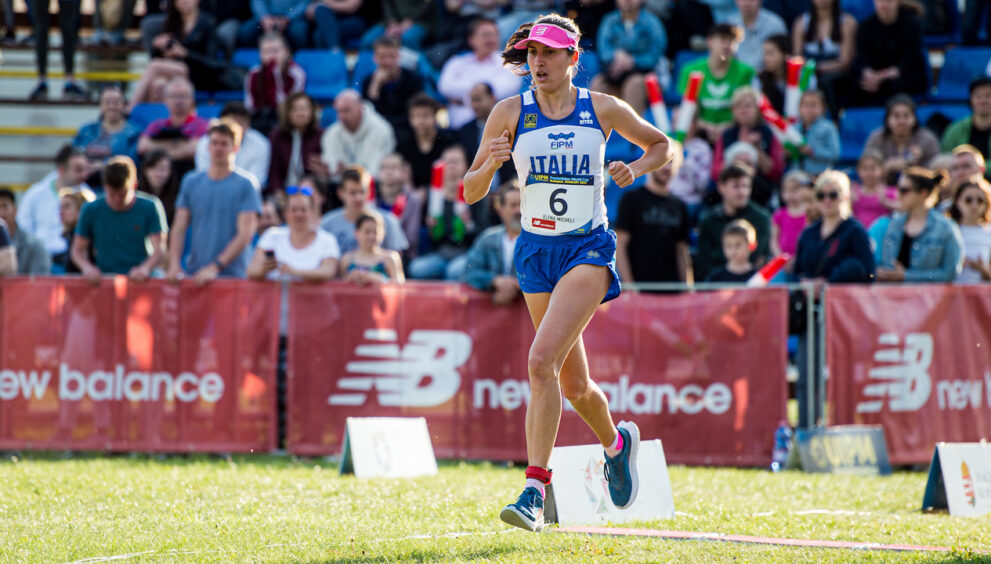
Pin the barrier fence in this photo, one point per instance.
(160, 367)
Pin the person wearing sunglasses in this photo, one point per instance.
(921, 244)
(833, 249)
(972, 213)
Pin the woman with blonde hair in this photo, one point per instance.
(833, 249)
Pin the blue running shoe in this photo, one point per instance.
(621, 470)
(528, 511)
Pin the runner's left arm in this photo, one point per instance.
(615, 114)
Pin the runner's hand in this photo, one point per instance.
(621, 173)
(500, 150)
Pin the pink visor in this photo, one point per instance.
(551, 36)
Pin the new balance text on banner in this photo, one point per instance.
(913, 359)
(150, 367)
(704, 372)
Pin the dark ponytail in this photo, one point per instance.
(516, 58)
(927, 181)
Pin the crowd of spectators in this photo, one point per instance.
(373, 195)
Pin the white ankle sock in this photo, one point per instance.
(535, 483)
(616, 447)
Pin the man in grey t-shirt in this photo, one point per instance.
(222, 206)
(353, 191)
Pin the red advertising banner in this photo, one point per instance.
(702, 372)
(913, 359)
(148, 367)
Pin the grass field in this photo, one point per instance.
(277, 509)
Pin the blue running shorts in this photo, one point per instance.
(542, 260)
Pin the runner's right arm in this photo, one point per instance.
(494, 149)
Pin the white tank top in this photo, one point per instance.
(560, 167)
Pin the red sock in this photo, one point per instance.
(538, 477)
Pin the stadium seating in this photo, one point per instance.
(859, 9)
(143, 114)
(328, 115)
(952, 11)
(673, 95)
(246, 58)
(855, 126)
(960, 66)
(326, 73)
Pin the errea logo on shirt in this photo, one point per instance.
(585, 118)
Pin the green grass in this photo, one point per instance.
(276, 509)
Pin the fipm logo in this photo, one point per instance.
(901, 374)
(561, 141)
(423, 373)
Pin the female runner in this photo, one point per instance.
(565, 256)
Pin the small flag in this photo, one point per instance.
(689, 105)
(768, 271)
(785, 132)
(793, 92)
(435, 202)
(657, 108)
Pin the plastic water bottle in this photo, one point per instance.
(782, 444)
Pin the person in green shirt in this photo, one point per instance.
(974, 129)
(125, 227)
(722, 73)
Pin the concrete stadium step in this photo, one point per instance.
(18, 112)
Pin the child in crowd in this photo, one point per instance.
(791, 218)
(739, 240)
(822, 139)
(269, 83)
(872, 198)
(371, 264)
(972, 213)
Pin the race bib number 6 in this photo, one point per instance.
(557, 204)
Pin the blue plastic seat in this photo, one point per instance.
(960, 66)
(952, 10)
(143, 114)
(952, 111)
(209, 111)
(859, 9)
(855, 127)
(326, 72)
(246, 58)
(363, 68)
(328, 116)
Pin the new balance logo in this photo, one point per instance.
(900, 374)
(423, 373)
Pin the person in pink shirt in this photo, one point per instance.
(871, 197)
(791, 218)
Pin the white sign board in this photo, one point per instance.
(581, 496)
(960, 479)
(387, 447)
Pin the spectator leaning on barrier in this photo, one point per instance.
(490, 266)
(271, 82)
(757, 24)
(38, 210)
(354, 191)
(974, 129)
(722, 73)
(902, 140)
(630, 42)
(921, 244)
(125, 228)
(370, 264)
(973, 216)
(652, 229)
(255, 153)
(833, 249)
(295, 143)
(32, 257)
(221, 205)
(734, 186)
(360, 137)
(111, 134)
(739, 241)
(177, 134)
